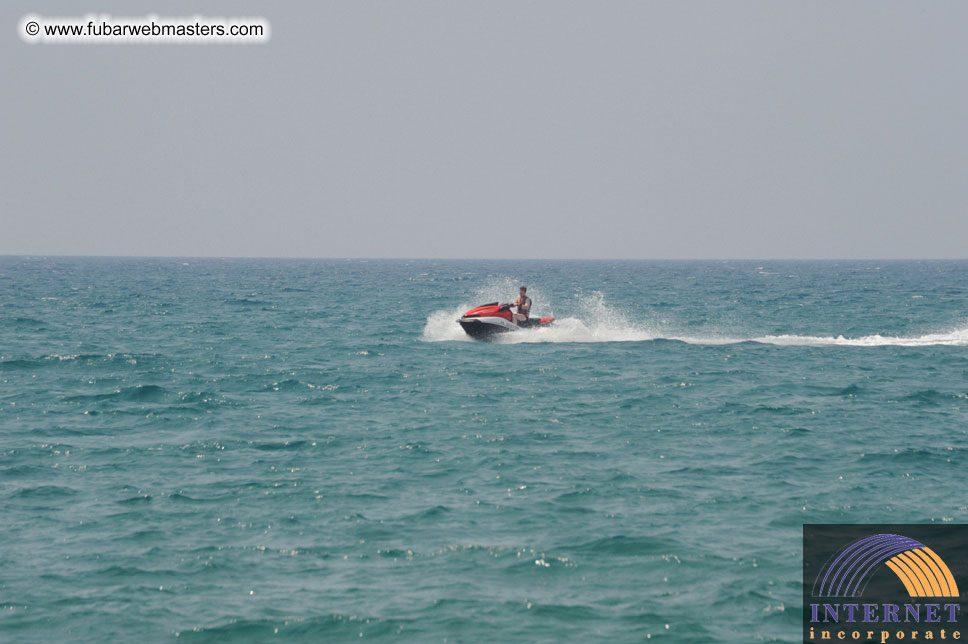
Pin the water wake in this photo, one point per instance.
(956, 338)
(594, 321)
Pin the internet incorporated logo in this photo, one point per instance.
(909, 591)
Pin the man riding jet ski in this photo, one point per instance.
(484, 321)
(524, 307)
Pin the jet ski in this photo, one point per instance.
(485, 321)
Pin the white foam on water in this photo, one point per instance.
(442, 326)
(594, 322)
(956, 338)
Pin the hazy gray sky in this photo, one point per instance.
(496, 129)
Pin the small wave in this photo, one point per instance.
(932, 397)
(246, 301)
(565, 613)
(434, 512)
(17, 363)
(28, 322)
(139, 499)
(624, 545)
(62, 357)
(124, 572)
(145, 393)
(202, 398)
(46, 360)
(229, 627)
(137, 393)
(273, 446)
(181, 497)
(45, 492)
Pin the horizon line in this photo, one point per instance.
(495, 259)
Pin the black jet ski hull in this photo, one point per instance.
(486, 328)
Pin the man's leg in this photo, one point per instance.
(518, 318)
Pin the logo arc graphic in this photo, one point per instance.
(921, 571)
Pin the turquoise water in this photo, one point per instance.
(262, 450)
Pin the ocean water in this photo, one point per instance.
(310, 450)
